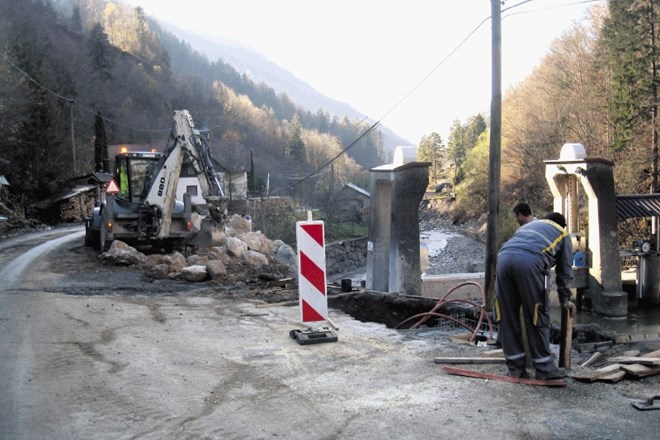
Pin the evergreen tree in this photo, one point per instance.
(625, 43)
(100, 52)
(76, 20)
(430, 150)
(296, 143)
(101, 160)
(462, 138)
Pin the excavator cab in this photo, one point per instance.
(134, 172)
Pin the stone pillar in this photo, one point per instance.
(393, 249)
(604, 294)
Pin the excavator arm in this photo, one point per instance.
(185, 139)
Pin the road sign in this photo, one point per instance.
(111, 187)
(311, 271)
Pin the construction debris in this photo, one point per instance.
(501, 378)
(469, 360)
(622, 367)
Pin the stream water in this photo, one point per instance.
(640, 319)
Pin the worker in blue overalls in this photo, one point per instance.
(523, 268)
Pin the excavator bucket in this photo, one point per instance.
(204, 237)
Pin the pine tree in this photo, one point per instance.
(296, 143)
(101, 160)
(430, 150)
(100, 52)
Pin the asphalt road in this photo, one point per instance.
(92, 353)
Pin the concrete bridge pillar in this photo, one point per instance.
(393, 249)
(604, 294)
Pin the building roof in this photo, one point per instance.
(358, 189)
(637, 205)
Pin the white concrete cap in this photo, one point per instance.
(404, 154)
(572, 152)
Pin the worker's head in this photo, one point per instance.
(557, 218)
(523, 213)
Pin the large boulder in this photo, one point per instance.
(216, 269)
(176, 261)
(197, 260)
(256, 259)
(237, 225)
(236, 247)
(287, 256)
(121, 254)
(194, 273)
(256, 241)
(158, 272)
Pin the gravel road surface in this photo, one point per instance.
(91, 351)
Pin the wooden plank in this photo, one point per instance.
(592, 359)
(593, 346)
(635, 369)
(653, 354)
(612, 377)
(634, 360)
(281, 282)
(501, 378)
(636, 337)
(494, 353)
(461, 339)
(469, 360)
(631, 353)
(592, 375)
(566, 336)
(651, 372)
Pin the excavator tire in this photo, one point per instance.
(94, 239)
(103, 242)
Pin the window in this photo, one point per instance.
(191, 189)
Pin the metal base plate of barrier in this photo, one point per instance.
(310, 336)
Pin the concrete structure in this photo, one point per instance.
(393, 251)
(603, 294)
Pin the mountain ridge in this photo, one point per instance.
(258, 67)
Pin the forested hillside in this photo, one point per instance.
(597, 86)
(67, 62)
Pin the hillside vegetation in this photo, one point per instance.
(77, 73)
(597, 86)
(67, 63)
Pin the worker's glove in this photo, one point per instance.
(569, 305)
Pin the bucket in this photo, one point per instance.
(346, 285)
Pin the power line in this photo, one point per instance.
(428, 75)
(399, 102)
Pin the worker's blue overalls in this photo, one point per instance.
(523, 266)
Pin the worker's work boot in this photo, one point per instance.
(514, 372)
(556, 374)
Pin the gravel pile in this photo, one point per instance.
(465, 251)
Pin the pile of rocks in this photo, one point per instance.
(235, 246)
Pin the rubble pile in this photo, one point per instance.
(236, 251)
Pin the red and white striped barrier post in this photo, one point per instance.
(311, 270)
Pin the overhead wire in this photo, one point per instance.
(425, 78)
(365, 133)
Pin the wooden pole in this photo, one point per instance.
(494, 164)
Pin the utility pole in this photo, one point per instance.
(494, 162)
(73, 137)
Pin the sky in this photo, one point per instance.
(393, 60)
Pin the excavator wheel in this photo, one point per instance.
(103, 242)
(94, 239)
